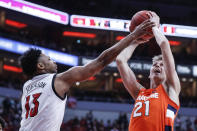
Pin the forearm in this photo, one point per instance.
(165, 49)
(110, 54)
(159, 36)
(126, 54)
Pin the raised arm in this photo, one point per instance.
(168, 60)
(127, 75)
(81, 73)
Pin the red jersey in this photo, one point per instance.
(153, 111)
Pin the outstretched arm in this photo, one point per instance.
(127, 75)
(81, 73)
(168, 60)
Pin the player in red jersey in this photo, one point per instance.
(156, 108)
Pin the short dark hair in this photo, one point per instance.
(2, 122)
(29, 60)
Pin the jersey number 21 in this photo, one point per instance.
(138, 106)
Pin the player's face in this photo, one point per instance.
(50, 66)
(157, 72)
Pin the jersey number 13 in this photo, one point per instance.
(33, 111)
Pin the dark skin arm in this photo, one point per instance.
(66, 79)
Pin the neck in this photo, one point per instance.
(40, 73)
(154, 84)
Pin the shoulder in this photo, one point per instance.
(61, 86)
(171, 94)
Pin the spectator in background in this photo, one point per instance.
(76, 125)
(108, 125)
(114, 129)
(6, 105)
(89, 119)
(2, 124)
(123, 121)
(83, 124)
(195, 124)
(177, 123)
(188, 125)
(101, 126)
(72, 102)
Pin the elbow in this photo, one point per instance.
(118, 60)
(164, 43)
(121, 60)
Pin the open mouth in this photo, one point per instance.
(157, 71)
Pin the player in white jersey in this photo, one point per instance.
(40, 92)
(44, 95)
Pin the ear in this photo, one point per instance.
(149, 76)
(40, 66)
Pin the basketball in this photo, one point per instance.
(137, 19)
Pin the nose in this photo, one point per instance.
(157, 65)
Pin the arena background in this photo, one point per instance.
(75, 32)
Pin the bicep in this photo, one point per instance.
(169, 66)
(174, 81)
(129, 80)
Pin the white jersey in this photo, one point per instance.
(42, 108)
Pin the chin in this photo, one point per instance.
(55, 71)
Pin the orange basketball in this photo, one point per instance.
(137, 19)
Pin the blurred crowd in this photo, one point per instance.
(189, 125)
(10, 112)
(89, 123)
